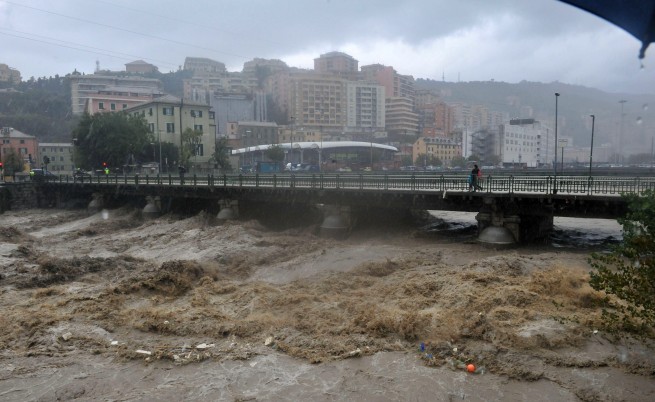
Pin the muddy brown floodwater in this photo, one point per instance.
(112, 307)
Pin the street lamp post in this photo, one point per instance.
(159, 140)
(591, 149)
(249, 148)
(555, 183)
(562, 162)
(293, 119)
(622, 102)
(652, 156)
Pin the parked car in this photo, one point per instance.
(40, 174)
(81, 174)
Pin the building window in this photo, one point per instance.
(101, 105)
(112, 106)
(199, 150)
(151, 127)
(170, 127)
(167, 111)
(197, 127)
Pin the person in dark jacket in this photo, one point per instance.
(473, 179)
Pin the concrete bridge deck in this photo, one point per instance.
(525, 204)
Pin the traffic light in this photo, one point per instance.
(1, 167)
(104, 164)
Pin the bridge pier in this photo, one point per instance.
(152, 209)
(337, 221)
(504, 221)
(96, 204)
(229, 209)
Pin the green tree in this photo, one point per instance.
(628, 272)
(114, 138)
(275, 153)
(190, 141)
(12, 162)
(222, 155)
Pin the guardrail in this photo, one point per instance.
(563, 185)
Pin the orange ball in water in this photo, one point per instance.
(470, 368)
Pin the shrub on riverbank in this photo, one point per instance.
(628, 272)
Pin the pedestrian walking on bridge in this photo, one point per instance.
(474, 178)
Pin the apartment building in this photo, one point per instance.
(232, 107)
(168, 117)
(426, 97)
(19, 143)
(254, 133)
(445, 149)
(271, 66)
(338, 64)
(436, 119)
(396, 85)
(400, 117)
(8, 74)
(201, 88)
(87, 86)
(60, 155)
(115, 99)
(365, 106)
(316, 100)
(140, 67)
(204, 66)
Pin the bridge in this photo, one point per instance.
(511, 208)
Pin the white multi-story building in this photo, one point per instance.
(525, 142)
(84, 87)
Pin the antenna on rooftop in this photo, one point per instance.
(97, 66)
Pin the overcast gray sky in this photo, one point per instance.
(475, 40)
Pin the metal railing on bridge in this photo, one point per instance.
(571, 185)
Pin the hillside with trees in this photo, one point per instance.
(39, 107)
